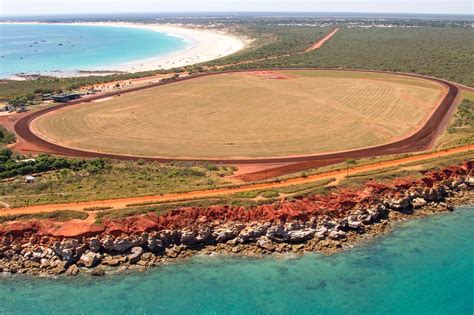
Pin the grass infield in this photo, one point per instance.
(249, 115)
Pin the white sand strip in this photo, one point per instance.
(204, 45)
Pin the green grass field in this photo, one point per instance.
(249, 115)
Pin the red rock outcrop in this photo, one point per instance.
(334, 205)
(314, 223)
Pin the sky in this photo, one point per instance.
(52, 7)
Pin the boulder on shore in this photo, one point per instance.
(418, 203)
(89, 260)
(265, 243)
(135, 255)
(72, 270)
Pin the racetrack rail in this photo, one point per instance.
(423, 139)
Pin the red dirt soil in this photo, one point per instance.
(335, 204)
(321, 42)
(123, 202)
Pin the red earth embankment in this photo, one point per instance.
(335, 205)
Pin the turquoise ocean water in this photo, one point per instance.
(424, 267)
(43, 48)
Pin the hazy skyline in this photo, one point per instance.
(52, 7)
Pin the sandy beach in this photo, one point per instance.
(203, 45)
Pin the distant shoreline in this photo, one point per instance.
(204, 45)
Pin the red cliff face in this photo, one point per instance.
(19, 228)
(333, 205)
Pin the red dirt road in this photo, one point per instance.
(321, 42)
(123, 202)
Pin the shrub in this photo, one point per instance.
(269, 194)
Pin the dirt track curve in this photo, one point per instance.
(421, 140)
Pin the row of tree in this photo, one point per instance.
(10, 167)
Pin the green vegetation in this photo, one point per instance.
(242, 199)
(436, 48)
(440, 162)
(375, 172)
(446, 52)
(433, 48)
(273, 41)
(17, 89)
(468, 95)
(58, 215)
(412, 169)
(21, 100)
(247, 194)
(353, 182)
(11, 167)
(288, 191)
(237, 199)
(6, 137)
(270, 194)
(460, 130)
(114, 180)
(464, 117)
(350, 164)
(97, 208)
(386, 175)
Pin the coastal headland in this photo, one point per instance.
(325, 223)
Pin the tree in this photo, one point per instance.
(18, 101)
(60, 164)
(6, 153)
(350, 163)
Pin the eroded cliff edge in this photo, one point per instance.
(325, 223)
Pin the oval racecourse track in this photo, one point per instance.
(422, 139)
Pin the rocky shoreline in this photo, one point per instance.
(320, 223)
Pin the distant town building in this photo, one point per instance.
(65, 97)
(46, 97)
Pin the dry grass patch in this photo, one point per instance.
(248, 115)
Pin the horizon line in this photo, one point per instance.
(229, 12)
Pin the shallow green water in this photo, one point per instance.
(424, 267)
